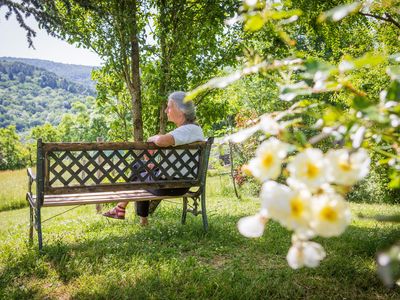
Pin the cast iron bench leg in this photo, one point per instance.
(203, 210)
(39, 228)
(184, 210)
(30, 224)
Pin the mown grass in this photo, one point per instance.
(13, 187)
(89, 257)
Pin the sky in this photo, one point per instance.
(13, 43)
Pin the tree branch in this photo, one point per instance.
(393, 21)
(388, 18)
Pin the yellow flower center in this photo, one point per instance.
(329, 214)
(312, 170)
(296, 207)
(267, 160)
(345, 166)
(246, 170)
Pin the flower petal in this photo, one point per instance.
(252, 226)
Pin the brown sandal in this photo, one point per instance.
(116, 213)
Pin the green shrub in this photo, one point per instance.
(374, 188)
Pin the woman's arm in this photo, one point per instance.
(162, 140)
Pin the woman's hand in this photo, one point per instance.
(153, 139)
(162, 140)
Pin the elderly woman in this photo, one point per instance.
(182, 114)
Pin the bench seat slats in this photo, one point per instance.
(104, 197)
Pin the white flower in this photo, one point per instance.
(345, 66)
(394, 120)
(358, 137)
(241, 135)
(305, 253)
(309, 168)
(253, 226)
(251, 2)
(269, 125)
(268, 161)
(300, 210)
(330, 215)
(347, 169)
(297, 185)
(291, 208)
(274, 197)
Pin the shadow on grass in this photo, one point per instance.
(168, 260)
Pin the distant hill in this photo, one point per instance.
(31, 96)
(76, 73)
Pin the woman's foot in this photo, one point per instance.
(117, 212)
(144, 221)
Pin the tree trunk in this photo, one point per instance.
(163, 118)
(233, 170)
(164, 67)
(135, 89)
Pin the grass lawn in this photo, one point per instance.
(89, 257)
(13, 187)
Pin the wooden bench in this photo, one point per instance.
(93, 173)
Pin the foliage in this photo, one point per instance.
(46, 132)
(114, 102)
(12, 153)
(177, 56)
(185, 56)
(112, 29)
(374, 188)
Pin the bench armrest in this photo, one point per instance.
(32, 177)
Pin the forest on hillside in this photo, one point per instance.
(75, 73)
(31, 96)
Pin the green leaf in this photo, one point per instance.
(313, 66)
(254, 23)
(393, 92)
(282, 14)
(300, 137)
(304, 103)
(373, 113)
(394, 182)
(339, 12)
(286, 38)
(393, 72)
(331, 116)
(360, 103)
(369, 60)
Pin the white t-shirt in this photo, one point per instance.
(187, 134)
(184, 134)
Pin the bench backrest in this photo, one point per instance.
(66, 168)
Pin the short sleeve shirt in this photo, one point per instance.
(187, 134)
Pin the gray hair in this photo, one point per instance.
(187, 107)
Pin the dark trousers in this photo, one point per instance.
(143, 207)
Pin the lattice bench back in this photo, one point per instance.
(95, 167)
